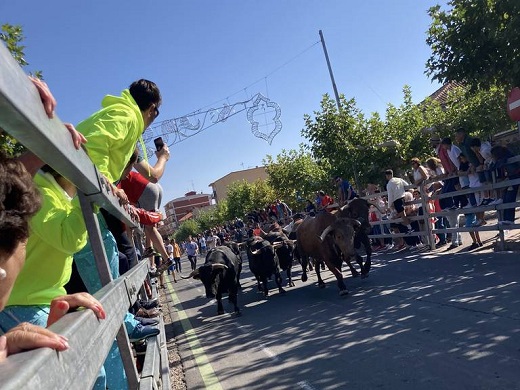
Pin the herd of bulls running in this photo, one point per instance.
(327, 238)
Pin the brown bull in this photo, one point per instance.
(336, 244)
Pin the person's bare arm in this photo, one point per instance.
(153, 174)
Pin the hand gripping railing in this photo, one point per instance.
(23, 117)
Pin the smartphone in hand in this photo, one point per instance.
(159, 143)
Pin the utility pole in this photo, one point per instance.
(330, 69)
(354, 168)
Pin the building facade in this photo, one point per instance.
(181, 209)
(220, 186)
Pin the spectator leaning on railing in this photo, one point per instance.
(19, 201)
(502, 154)
(483, 152)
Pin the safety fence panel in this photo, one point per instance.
(428, 216)
(22, 116)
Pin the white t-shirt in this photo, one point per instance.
(454, 154)
(395, 188)
(485, 151)
(211, 242)
(169, 250)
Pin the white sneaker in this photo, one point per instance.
(418, 246)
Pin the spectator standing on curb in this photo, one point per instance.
(451, 183)
(396, 194)
(191, 250)
(449, 169)
(177, 256)
(483, 152)
(202, 244)
(437, 171)
(465, 141)
(501, 154)
(169, 250)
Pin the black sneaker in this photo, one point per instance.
(149, 252)
(473, 246)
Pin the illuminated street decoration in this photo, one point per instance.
(262, 113)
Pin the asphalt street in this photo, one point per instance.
(420, 321)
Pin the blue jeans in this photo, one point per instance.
(86, 263)
(440, 224)
(510, 197)
(84, 259)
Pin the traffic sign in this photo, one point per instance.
(513, 104)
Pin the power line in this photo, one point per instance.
(241, 90)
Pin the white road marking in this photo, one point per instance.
(305, 385)
(265, 349)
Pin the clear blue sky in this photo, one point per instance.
(201, 52)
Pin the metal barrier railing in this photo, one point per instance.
(426, 218)
(23, 117)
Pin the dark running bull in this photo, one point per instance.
(284, 249)
(220, 274)
(263, 263)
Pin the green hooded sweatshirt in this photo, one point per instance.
(112, 134)
(57, 232)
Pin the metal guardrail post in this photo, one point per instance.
(103, 268)
(96, 242)
(427, 219)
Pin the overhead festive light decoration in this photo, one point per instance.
(174, 131)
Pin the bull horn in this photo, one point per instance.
(356, 223)
(277, 244)
(343, 207)
(193, 274)
(327, 230)
(218, 266)
(256, 251)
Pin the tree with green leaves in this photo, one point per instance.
(476, 42)
(295, 176)
(187, 228)
(243, 197)
(13, 36)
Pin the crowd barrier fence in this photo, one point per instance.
(22, 116)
